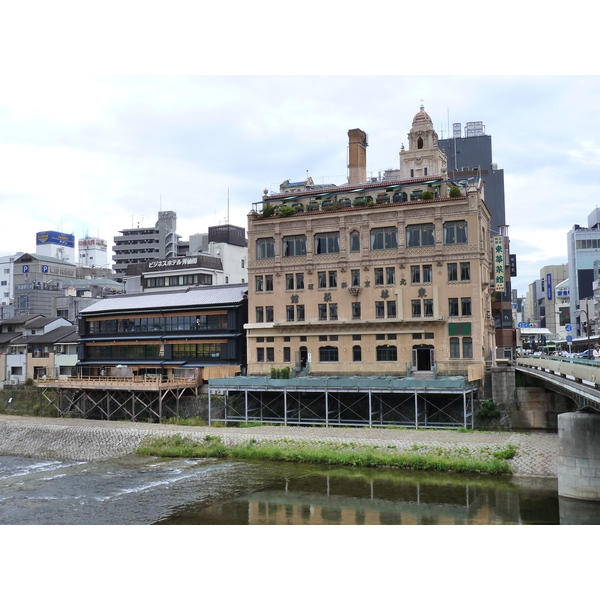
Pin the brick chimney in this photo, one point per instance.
(357, 156)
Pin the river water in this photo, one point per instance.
(145, 490)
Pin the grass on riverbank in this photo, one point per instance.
(489, 460)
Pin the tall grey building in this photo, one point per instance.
(141, 244)
(471, 156)
(583, 249)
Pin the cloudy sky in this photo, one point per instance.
(93, 154)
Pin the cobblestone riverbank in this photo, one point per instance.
(79, 439)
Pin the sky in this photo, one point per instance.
(98, 146)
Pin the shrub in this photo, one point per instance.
(489, 410)
(285, 211)
(268, 210)
(454, 192)
(427, 196)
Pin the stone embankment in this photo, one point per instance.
(79, 439)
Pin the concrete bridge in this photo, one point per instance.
(578, 431)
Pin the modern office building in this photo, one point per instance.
(583, 251)
(7, 286)
(141, 244)
(219, 257)
(53, 287)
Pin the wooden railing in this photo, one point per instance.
(109, 382)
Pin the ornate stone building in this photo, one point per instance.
(384, 278)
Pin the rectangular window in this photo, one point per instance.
(427, 273)
(287, 354)
(390, 275)
(387, 353)
(465, 307)
(300, 312)
(453, 307)
(322, 279)
(355, 278)
(322, 312)
(260, 355)
(391, 309)
(328, 354)
(270, 354)
(428, 308)
(454, 347)
(294, 245)
(415, 274)
(415, 308)
(327, 243)
(265, 248)
(378, 276)
(465, 271)
(356, 310)
(259, 283)
(356, 354)
(380, 310)
(260, 314)
(299, 281)
(420, 235)
(333, 311)
(269, 283)
(467, 347)
(332, 279)
(356, 337)
(354, 241)
(455, 232)
(452, 272)
(289, 312)
(384, 238)
(269, 314)
(289, 281)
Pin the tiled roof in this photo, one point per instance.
(198, 296)
(60, 334)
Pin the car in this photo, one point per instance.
(587, 354)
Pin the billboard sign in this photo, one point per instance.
(54, 237)
(499, 262)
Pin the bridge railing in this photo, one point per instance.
(580, 370)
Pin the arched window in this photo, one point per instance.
(356, 353)
(420, 143)
(354, 241)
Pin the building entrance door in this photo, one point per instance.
(422, 358)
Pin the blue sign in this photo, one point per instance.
(549, 286)
(25, 269)
(568, 327)
(569, 338)
(44, 268)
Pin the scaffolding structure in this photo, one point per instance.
(335, 401)
(124, 399)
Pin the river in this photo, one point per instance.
(144, 490)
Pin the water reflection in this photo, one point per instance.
(361, 497)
